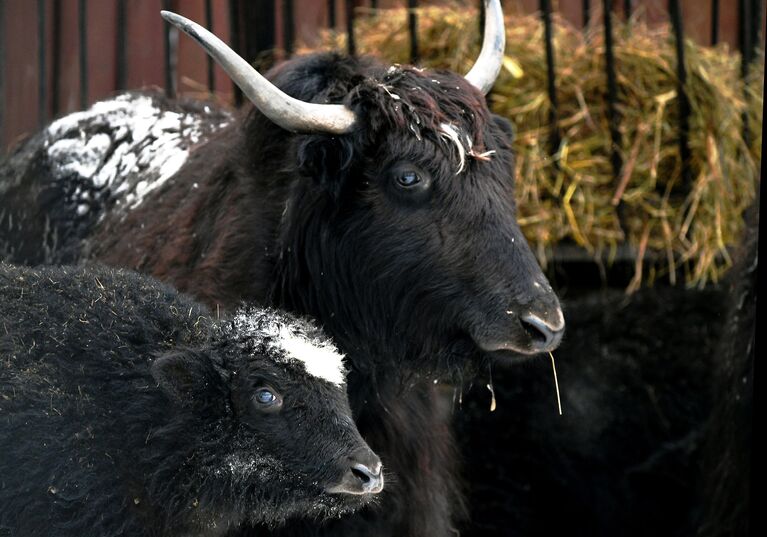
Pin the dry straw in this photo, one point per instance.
(675, 231)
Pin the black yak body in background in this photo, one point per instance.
(399, 237)
(655, 436)
(128, 409)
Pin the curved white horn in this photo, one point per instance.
(488, 65)
(289, 113)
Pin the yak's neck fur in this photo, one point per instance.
(259, 227)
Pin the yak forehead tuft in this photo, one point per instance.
(423, 101)
(297, 341)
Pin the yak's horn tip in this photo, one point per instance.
(173, 18)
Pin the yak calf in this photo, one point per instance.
(128, 409)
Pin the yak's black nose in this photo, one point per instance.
(364, 475)
(545, 335)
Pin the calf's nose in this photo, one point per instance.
(363, 475)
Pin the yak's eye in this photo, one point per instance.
(266, 398)
(408, 179)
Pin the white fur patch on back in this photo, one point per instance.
(127, 145)
(318, 356)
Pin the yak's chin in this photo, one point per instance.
(507, 353)
(507, 357)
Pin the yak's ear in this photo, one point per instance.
(506, 126)
(326, 159)
(185, 375)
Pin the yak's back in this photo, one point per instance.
(58, 184)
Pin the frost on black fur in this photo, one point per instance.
(127, 409)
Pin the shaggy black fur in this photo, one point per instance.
(655, 439)
(410, 282)
(726, 482)
(624, 458)
(127, 410)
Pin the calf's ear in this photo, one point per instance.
(185, 375)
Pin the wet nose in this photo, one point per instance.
(363, 475)
(546, 334)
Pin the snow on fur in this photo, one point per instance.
(136, 148)
(299, 342)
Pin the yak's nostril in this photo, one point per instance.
(544, 336)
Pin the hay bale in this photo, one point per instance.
(678, 231)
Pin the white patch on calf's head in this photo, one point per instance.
(320, 360)
(296, 340)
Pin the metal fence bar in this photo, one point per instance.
(412, 26)
(757, 9)
(82, 29)
(288, 26)
(42, 97)
(234, 38)
(2, 78)
(714, 22)
(548, 32)
(332, 13)
(586, 13)
(350, 45)
(209, 26)
(170, 49)
(481, 21)
(374, 4)
(56, 58)
(746, 50)
(627, 9)
(675, 11)
(120, 45)
(612, 93)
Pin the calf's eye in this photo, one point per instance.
(266, 398)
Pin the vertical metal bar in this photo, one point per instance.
(714, 22)
(545, 6)
(627, 9)
(332, 13)
(42, 98)
(2, 77)
(209, 26)
(288, 25)
(234, 32)
(586, 12)
(351, 46)
(412, 26)
(258, 31)
(684, 102)
(56, 58)
(755, 34)
(481, 21)
(612, 93)
(374, 4)
(82, 17)
(744, 42)
(170, 50)
(121, 45)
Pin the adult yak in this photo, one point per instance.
(378, 199)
